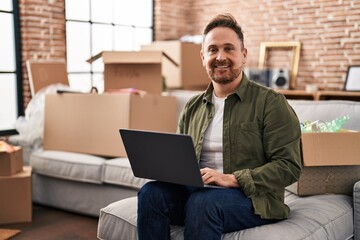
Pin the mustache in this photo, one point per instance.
(222, 62)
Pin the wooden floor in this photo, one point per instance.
(54, 224)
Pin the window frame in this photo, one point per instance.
(18, 65)
(94, 72)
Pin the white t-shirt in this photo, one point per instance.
(212, 151)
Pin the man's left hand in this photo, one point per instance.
(212, 177)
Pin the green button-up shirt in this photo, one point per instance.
(261, 142)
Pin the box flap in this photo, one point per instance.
(95, 57)
(127, 57)
(170, 59)
(44, 73)
(331, 149)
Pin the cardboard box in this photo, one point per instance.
(190, 73)
(11, 163)
(331, 149)
(45, 73)
(331, 163)
(140, 70)
(16, 199)
(90, 123)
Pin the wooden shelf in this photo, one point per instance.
(338, 95)
(320, 95)
(297, 94)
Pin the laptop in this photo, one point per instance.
(165, 157)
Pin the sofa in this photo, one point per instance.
(106, 188)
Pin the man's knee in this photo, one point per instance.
(148, 192)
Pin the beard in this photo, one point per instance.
(224, 79)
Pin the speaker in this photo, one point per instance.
(279, 78)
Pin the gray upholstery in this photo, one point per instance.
(117, 171)
(356, 198)
(80, 197)
(327, 111)
(315, 217)
(67, 165)
(79, 182)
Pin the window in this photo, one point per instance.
(11, 100)
(93, 26)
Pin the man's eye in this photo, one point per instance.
(229, 49)
(212, 50)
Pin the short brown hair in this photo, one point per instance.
(224, 20)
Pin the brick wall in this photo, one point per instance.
(43, 34)
(170, 19)
(329, 31)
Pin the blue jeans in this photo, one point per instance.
(206, 213)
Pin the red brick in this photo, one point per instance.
(328, 31)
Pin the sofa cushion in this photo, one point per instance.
(67, 165)
(328, 111)
(315, 217)
(118, 171)
(356, 198)
(307, 110)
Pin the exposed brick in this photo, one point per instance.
(324, 29)
(329, 31)
(43, 34)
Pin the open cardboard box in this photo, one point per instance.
(138, 69)
(90, 123)
(331, 163)
(331, 149)
(189, 74)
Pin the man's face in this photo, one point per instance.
(223, 55)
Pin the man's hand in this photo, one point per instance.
(210, 176)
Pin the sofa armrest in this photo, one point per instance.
(356, 197)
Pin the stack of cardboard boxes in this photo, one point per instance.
(90, 123)
(15, 186)
(183, 68)
(331, 163)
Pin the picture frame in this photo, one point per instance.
(352, 80)
(294, 46)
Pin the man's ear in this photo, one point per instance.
(202, 57)
(244, 52)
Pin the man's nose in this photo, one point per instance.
(220, 55)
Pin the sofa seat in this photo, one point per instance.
(85, 168)
(118, 171)
(314, 217)
(68, 165)
(80, 182)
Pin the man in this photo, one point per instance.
(247, 139)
